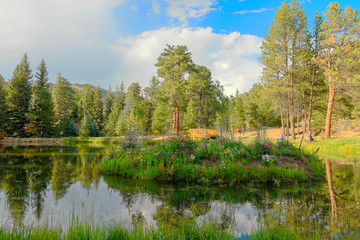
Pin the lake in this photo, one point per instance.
(58, 186)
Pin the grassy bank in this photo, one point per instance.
(189, 232)
(345, 148)
(79, 232)
(214, 161)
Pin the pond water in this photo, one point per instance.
(58, 185)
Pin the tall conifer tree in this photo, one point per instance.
(64, 100)
(173, 65)
(18, 98)
(41, 113)
(340, 33)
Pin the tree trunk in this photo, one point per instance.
(287, 123)
(177, 121)
(329, 110)
(311, 98)
(292, 118)
(149, 120)
(304, 112)
(282, 118)
(174, 121)
(298, 119)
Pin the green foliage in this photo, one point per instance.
(64, 101)
(41, 113)
(88, 128)
(70, 130)
(18, 99)
(229, 162)
(2, 103)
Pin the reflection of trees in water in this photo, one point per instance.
(60, 176)
(181, 202)
(15, 185)
(86, 164)
(331, 210)
(38, 180)
(26, 172)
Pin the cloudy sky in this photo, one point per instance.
(108, 41)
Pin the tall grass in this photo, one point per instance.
(189, 231)
(80, 232)
(347, 148)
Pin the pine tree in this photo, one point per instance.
(133, 115)
(18, 98)
(97, 113)
(88, 128)
(173, 65)
(41, 113)
(108, 104)
(2, 104)
(64, 101)
(150, 98)
(111, 127)
(202, 96)
(340, 33)
(284, 53)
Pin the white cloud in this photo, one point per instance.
(254, 11)
(133, 8)
(77, 38)
(183, 10)
(68, 34)
(230, 57)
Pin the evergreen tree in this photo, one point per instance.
(41, 113)
(41, 76)
(284, 53)
(150, 97)
(2, 104)
(340, 33)
(97, 112)
(200, 90)
(237, 111)
(108, 104)
(64, 101)
(111, 125)
(173, 65)
(88, 128)
(133, 115)
(18, 98)
(70, 129)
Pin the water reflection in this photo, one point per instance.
(58, 184)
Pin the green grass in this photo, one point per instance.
(346, 148)
(189, 231)
(227, 161)
(80, 232)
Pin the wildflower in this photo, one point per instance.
(111, 156)
(173, 154)
(219, 168)
(192, 157)
(183, 144)
(236, 163)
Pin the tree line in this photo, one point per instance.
(185, 97)
(308, 78)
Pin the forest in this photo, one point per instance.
(309, 80)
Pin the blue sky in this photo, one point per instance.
(104, 42)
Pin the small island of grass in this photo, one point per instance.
(215, 161)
